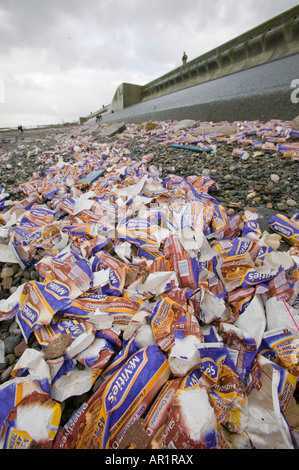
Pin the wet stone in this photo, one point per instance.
(11, 342)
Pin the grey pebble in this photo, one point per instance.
(5, 374)
(11, 342)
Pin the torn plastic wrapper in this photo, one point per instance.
(231, 228)
(166, 313)
(103, 421)
(72, 383)
(58, 326)
(251, 227)
(184, 355)
(208, 306)
(181, 262)
(121, 276)
(280, 314)
(219, 219)
(286, 227)
(241, 347)
(36, 216)
(156, 417)
(130, 348)
(48, 239)
(229, 399)
(39, 301)
(9, 307)
(96, 356)
(281, 347)
(194, 215)
(112, 335)
(111, 281)
(253, 320)
(233, 269)
(66, 268)
(74, 205)
(157, 283)
(141, 232)
(238, 300)
(212, 356)
(279, 287)
(120, 309)
(267, 427)
(191, 422)
(242, 245)
(22, 398)
(32, 362)
(18, 209)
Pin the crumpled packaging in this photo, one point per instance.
(102, 422)
(267, 427)
(22, 398)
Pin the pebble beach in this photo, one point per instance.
(253, 165)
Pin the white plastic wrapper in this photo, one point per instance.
(191, 420)
(281, 315)
(82, 342)
(83, 202)
(145, 336)
(32, 362)
(184, 355)
(211, 307)
(157, 282)
(7, 255)
(267, 427)
(100, 319)
(253, 320)
(73, 383)
(132, 190)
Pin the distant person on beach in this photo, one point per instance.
(184, 58)
(20, 128)
(99, 118)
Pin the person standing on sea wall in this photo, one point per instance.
(184, 58)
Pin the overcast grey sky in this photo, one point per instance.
(62, 59)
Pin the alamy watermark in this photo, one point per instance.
(295, 92)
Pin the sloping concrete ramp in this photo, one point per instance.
(262, 92)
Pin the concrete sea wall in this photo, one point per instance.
(271, 41)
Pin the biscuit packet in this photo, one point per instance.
(267, 405)
(238, 300)
(240, 346)
(65, 278)
(156, 417)
(191, 422)
(30, 244)
(22, 398)
(231, 229)
(281, 347)
(164, 317)
(229, 400)
(233, 269)
(287, 228)
(121, 310)
(181, 262)
(102, 422)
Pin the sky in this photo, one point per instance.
(62, 59)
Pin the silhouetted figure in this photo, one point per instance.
(99, 118)
(184, 58)
(20, 128)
